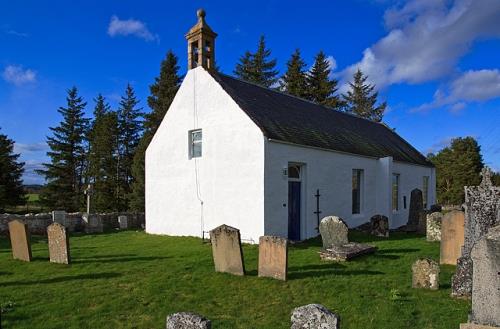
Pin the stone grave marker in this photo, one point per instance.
(59, 216)
(486, 280)
(336, 245)
(434, 226)
(314, 316)
(425, 274)
(379, 226)
(93, 223)
(273, 257)
(123, 222)
(226, 250)
(452, 237)
(187, 320)
(416, 207)
(58, 244)
(482, 205)
(333, 231)
(20, 240)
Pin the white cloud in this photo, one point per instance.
(17, 75)
(470, 86)
(425, 40)
(130, 27)
(29, 148)
(17, 33)
(332, 63)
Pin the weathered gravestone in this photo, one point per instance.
(187, 320)
(336, 245)
(58, 244)
(123, 222)
(226, 250)
(273, 257)
(482, 205)
(415, 212)
(59, 216)
(379, 226)
(20, 240)
(425, 274)
(333, 231)
(314, 316)
(434, 226)
(452, 237)
(486, 281)
(93, 223)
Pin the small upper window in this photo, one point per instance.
(195, 143)
(395, 192)
(425, 192)
(294, 171)
(357, 186)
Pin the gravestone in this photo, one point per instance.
(452, 237)
(123, 222)
(93, 223)
(333, 231)
(59, 216)
(336, 245)
(486, 279)
(314, 316)
(425, 274)
(379, 226)
(416, 207)
(187, 320)
(482, 205)
(226, 250)
(273, 257)
(20, 240)
(434, 226)
(58, 239)
(422, 222)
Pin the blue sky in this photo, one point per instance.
(435, 62)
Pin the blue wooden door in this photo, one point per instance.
(294, 210)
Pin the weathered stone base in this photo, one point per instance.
(475, 326)
(346, 251)
(461, 282)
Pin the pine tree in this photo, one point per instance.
(361, 99)
(320, 88)
(163, 91)
(11, 170)
(64, 173)
(294, 81)
(457, 166)
(102, 157)
(257, 67)
(130, 129)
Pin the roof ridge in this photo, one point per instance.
(302, 99)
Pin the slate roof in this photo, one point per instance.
(294, 120)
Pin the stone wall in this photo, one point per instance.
(37, 223)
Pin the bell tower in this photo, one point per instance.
(201, 44)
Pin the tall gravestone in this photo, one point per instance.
(416, 208)
(273, 257)
(58, 244)
(482, 205)
(20, 240)
(452, 237)
(226, 250)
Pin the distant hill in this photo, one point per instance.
(33, 188)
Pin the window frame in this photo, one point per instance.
(360, 173)
(192, 142)
(425, 191)
(395, 198)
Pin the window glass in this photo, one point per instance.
(425, 191)
(195, 138)
(395, 192)
(294, 171)
(357, 177)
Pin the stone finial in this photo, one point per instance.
(201, 13)
(486, 174)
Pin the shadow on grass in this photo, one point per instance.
(92, 276)
(6, 273)
(107, 256)
(116, 260)
(308, 274)
(397, 250)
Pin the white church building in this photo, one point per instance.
(231, 152)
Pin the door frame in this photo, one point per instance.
(302, 179)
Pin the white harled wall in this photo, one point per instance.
(230, 172)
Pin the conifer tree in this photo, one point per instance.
(294, 81)
(11, 170)
(361, 99)
(130, 129)
(320, 88)
(103, 156)
(64, 173)
(163, 91)
(457, 166)
(257, 67)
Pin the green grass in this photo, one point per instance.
(33, 197)
(133, 280)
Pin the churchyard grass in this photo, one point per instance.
(130, 279)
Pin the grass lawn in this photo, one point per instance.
(133, 280)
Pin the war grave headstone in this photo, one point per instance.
(226, 250)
